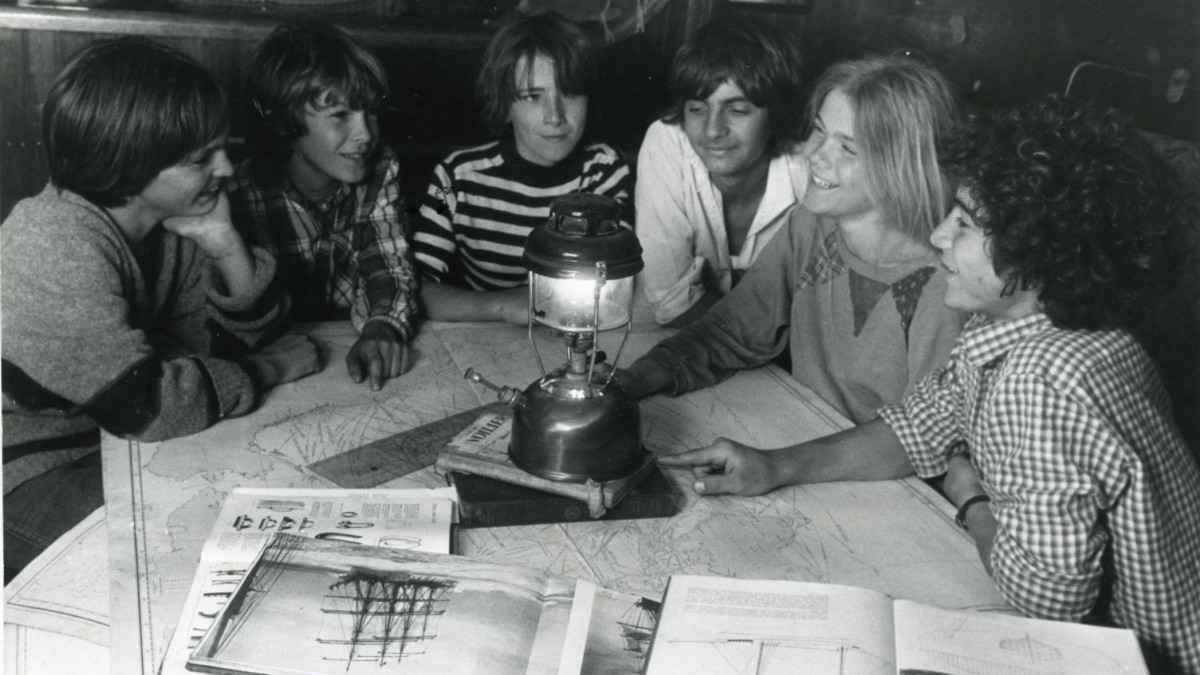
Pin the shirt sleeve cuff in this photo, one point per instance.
(236, 391)
(402, 327)
(925, 460)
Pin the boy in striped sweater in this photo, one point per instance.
(483, 202)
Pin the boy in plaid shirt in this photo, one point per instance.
(323, 195)
(1050, 423)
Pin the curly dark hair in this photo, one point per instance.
(1077, 205)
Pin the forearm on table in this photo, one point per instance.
(448, 303)
(870, 451)
(982, 526)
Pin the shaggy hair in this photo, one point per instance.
(903, 110)
(517, 43)
(304, 63)
(759, 57)
(1076, 205)
(123, 110)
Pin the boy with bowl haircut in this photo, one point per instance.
(323, 194)
(483, 202)
(1050, 423)
(130, 302)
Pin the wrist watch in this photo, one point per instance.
(961, 516)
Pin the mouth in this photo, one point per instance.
(948, 268)
(821, 183)
(209, 193)
(557, 138)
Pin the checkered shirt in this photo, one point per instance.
(1096, 495)
(346, 253)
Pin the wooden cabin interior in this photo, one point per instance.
(1139, 55)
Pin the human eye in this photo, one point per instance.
(694, 108)
(850, 149)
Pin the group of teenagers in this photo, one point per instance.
(960, 287)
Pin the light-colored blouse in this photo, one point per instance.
(681, 220)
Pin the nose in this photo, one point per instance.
(360, 129)
(714, 124)
(553, 110)
(815, 150)
(222, 167)
(943, 235)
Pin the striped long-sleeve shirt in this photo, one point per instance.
(483, 202)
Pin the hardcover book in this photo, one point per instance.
(486, 502)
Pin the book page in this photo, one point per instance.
(402, 519)
(720, 626)
(933, 641)
(318, 607)
(609, 632)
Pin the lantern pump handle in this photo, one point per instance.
(507, 395)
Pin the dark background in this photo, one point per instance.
(995, 51)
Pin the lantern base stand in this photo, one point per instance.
(599, 496)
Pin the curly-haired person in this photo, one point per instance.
(1050, 423)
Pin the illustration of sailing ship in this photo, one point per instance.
(382, 618)
(637, 627)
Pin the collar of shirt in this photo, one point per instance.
(984, 340)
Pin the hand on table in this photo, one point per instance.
(378, 355)
(726, 467)
(289, 358)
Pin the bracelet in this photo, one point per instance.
(961, 516)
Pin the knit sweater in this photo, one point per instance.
(860, 337)
(140, 341)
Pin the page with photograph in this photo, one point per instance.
(321, 607)
(610, 631)
(720, 626)
(401, 519)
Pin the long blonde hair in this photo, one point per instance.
(902, 110)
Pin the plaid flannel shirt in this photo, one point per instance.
(346, 253)
(1096, 495)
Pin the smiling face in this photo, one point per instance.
(728, 132)
(337, 147)
(190, 188)
(547, 123)
(837, 172)
(972, 284)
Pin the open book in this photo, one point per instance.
(717, 626)
(325, 607)
(249, 517)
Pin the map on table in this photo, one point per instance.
(894, 537)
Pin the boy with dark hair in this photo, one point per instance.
(1050, 424)
(483, 201)
(323, 194)
(721, 172)
(130, 302)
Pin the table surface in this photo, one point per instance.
(896, 537)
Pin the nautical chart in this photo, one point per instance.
(166, 496)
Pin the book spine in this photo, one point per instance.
(534, 512)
